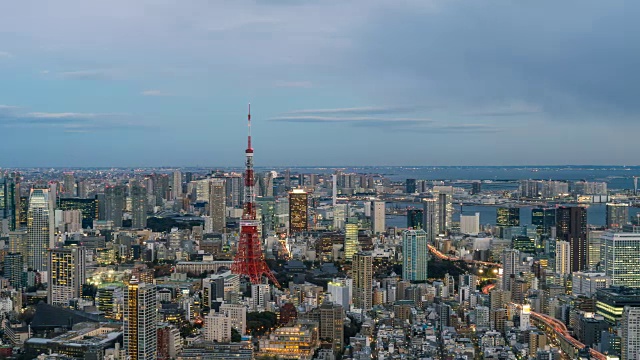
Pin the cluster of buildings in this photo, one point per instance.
(125, 264)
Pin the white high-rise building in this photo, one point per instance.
(415, 253)
(340, 293)
(217, 327)
(470, 224)
(510, 267)
(378, 214)
(67, 268)
(140, 321)
(339, 216)
(40, 229)
(525, 314)
(630, 345)
(260, 296)
(563, 258)
(622, 251)
(176, 187)
(237, 314)
(588, 282)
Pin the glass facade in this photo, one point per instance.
(622, 258)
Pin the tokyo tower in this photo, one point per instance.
(249, 259)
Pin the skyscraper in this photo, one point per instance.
(617, 215)
(415, 254)
(218, 204)
(67, 275)
(332, 325)
(563, 258)
(140, 321)
(630, 346)
(114, 204)
(350, 239)
(138, 206)
(40, 236)
(9, 202)
(415, 218)
(510, 265)
(378, 214)
(430, 222)
(362, 273)
(298, 211)
(622, 251)
(543, 219)
(176, 186)
(571, 226)
(14, 269)
(508, 216)
(410, 186)
(444, 211)
(69, 185)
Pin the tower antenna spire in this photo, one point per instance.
(249, 125)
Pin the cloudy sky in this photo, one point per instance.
(395, 82)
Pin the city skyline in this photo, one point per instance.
(167, 84)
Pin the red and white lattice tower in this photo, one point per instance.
(249, 259)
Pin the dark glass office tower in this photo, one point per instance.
(544, 219)
(571, 226)
(508, 216)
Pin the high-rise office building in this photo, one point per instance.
(508, 216)
(476, 187)
(617, 215)
(622, 251)
(571, 226)
(415, 254)
(298, 211)
(332, 324)
(470, 224)
(14, 270)
(544, 219)
(40, 235)
(410, 186)
(415, 218)
(67, 268)
(430, 221)
(217, 327)
(510, 267)
(595, 249)
(10, 202)
(235, 190)
(378, 213)
(350, 239)
(563, 258)
(218, 204)
(362, 273)
(176, 186)
(160, 187)
(89, 208)
(114, 204)
(138, 206)
(444, 210)
(238, 315)
(69, 185)
(18, 243)
(140, 321)
(630, 346)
